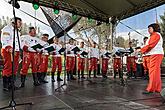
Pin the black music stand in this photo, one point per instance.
(122, 54)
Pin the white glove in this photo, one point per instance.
(38, 50)
(45, 51)
(29, 48)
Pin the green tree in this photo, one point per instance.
(93, 29)
(134, 42)
(120, 41)
(24, 29)
(1, 25)
(162, 25)
(6, 20)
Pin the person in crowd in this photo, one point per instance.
(117, 64)
(7, 35)
(131, 64)
(139, 63)
(93, 58)
(70, 60)
(145, 61)
(154, 48)
(56, 60)
(43, 62)
(81, 61)
(105, 55)
(30, 56)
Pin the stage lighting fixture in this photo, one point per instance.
(56, 8)
(16, 4)
(98, 23)
(74, 17)
(36, 4)
(90, 19)
(107, 24)
(108, 21)
(56, 11)
(56, 3)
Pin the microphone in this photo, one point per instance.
(80, 28)
(14, 3)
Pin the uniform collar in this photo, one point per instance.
(11, 26)
(154, 33)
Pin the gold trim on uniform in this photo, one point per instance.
(6, 33)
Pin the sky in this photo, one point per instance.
(138, 22)
(141, 21)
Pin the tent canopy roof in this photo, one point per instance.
(103, 9)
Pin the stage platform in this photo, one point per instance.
(84, 95)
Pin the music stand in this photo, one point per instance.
(12, 103)
(122, 53)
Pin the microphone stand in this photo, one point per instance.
(12, 103)
(88, 78)
(64, 83)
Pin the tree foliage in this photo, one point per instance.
(6, 20)
(121, 42)
(162, 25)
(98, 31)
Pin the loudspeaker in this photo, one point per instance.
(162, 93)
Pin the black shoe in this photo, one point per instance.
(44, 81)
(16, 88)
(94, 73)
(72, 78)
(23, 78)
(82, 77)
(42, 78)
(52, 76)
(5, 83)
(36, 83)
(95, 76)
(22, 85)
(39, 76)
(145, 78)
(58, 76)
(59, 79)
(35, 79)
(53, 80)
(104, 76)
(6, 89)
(147, 92)
(68, 77)
(89, 75)
(78, 74)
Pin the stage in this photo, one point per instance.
(107, 95)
